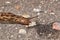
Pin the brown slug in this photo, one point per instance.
(7, 16)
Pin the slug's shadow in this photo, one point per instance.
(45, 29)
(40, 28)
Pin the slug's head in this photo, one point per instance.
(25, 21)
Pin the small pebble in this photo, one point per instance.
(2, 7)
(38, 13)
(22, 31)
(19, 36)
(17, 7)
(26, 26)
(49, 35)
(11, 36)
(36, 10)
(42, 2)
(52, 13)
(41, 33)
(7, 2)
(32, 24)
(56, 0)
(26, 15)
(45, 11)
(9, 25)
(16, 28)
(56, 26)
(44, 21)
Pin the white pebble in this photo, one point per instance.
(43, 20)
(26, 16)
(45, 11)
(7, 2)
(56, 0)
(9, 25)
(22, 31)
(19, 35)
(42, 2)
(16, 28)
(26, 26)
(52, 13)
(32, 24)
(38, 13)
(36, 10)
(41, 33)
(49, 35)
(11, 36)
(2, 7)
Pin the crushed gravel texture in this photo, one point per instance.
(48, 11)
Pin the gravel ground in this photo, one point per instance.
(48, 11)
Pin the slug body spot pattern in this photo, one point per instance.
(14, 18)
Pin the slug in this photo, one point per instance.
(7, 16)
